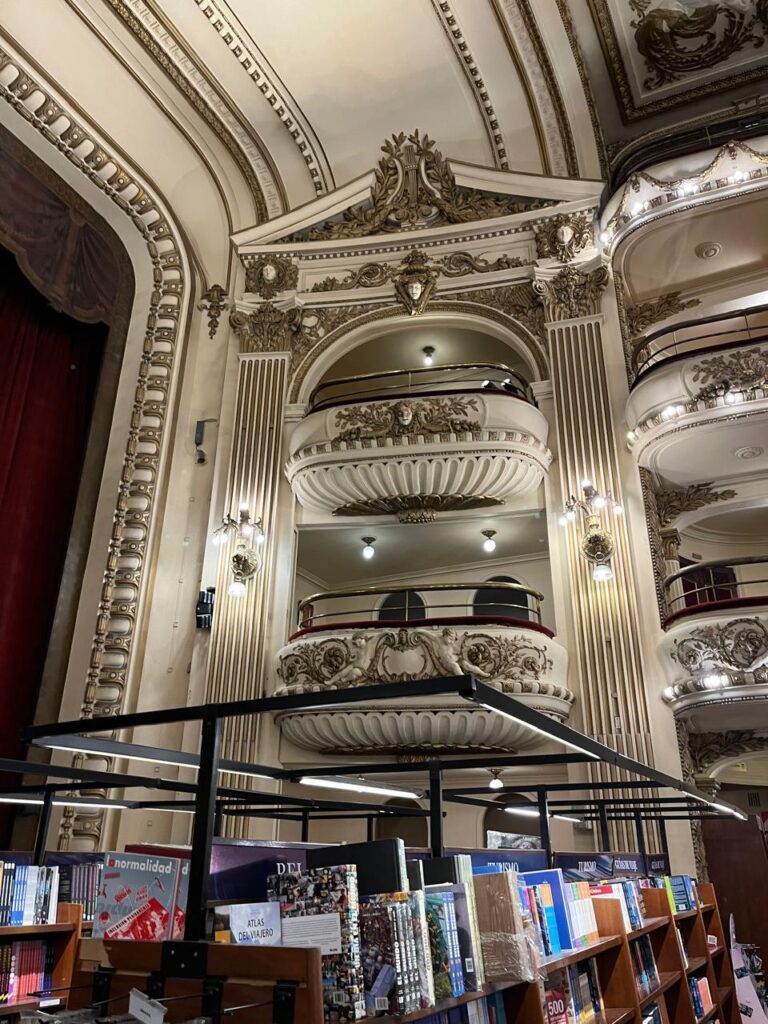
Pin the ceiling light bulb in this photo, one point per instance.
(237, 589)
(618, 510)
(586, 482)
(368, 551)
(495, 783)
(598, 501)
(570, 515)
(247, 529)
(563, 520)
(602, 572)
(489, 544)
(429, 353)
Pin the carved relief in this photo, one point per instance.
(396, 419)
(673, 501)
(744, 370)
(414, 187)
(517, 300)
(676, 42)
(514, 663)
(707, 748)
(269, 275)
(416, 508)
(415, 282)
(571, 293)
(741, 644)
(457, 264)
(563, 236)
(370, 275)
(689, 771)
(644, 314)
(653, 523)
(266, 329)
(213, 302)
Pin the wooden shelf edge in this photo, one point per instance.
(651, 924)
(618, 1016)
(694, 963)
(666, 980)
(709, 1014)
(449, 1004)
(573, 956)
(682, 915)
(724, 993)
(9, 1009)
(33, 930)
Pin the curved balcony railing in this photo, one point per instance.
(716, 333)
(448, 603)
(714, 586)
(421, 381)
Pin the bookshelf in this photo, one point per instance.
(64, 937)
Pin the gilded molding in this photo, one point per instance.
(518, 301)
(643, 315)
(671, 502)
(406, 417)
(571, 293)
(656, 540)
(265, 329)
(126, 559)
(743, 370)
(414, 187)
(268, 275)
(213, 303)
(563, 236)
(416, 508)
(740, 645)
(456, 264)
(187, 74)
(475, 80)
(258, 68)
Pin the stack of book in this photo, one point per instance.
(572, 995)
(26, 967)
(397, 963)
(701, 996)
(581, 914)
(28, 894)
(681, 891)
(79, 879)
(506, 927)
(644, 965)
(652, 1014)
(630, 899)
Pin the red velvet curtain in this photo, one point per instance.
(49, 365)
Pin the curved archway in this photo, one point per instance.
(498, 601)
(402, 606)
(411, 829)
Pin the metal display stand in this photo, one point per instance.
(210, 800)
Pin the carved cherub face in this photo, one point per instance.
(269, 272)
(414, 289)
(403, 414)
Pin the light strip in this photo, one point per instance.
(542, 732)
(729, 810)
(525, 812)
(358, 787)
(37, 801)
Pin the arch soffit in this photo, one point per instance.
(337, 343)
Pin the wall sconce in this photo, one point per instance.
(597, 543)
(249, 537)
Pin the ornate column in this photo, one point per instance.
(604, 615)
(236, 667)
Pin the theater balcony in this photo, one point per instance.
(420, 441)
(715, 648)
(393, 635)
(698, 405)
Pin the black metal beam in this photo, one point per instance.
(446, 764)
(43, 823)
(436, 810)
(605, 838)
(196, 925)
(546, 839)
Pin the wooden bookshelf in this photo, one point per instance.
(64, 937)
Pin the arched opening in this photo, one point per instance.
(402, 606)
(501, 601)
(410, 828)
(520, 831)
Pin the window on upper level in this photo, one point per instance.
(496, 601)
(401, 606)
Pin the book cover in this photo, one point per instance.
(381, 865)
(137, 897)
(382, 982)
(438, 944)
(464, 927)
(554, 879)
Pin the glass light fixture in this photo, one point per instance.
(246, 560)
(489, 544)
(597, 544)
(237, 589)
(368, 550)
(602, 572)
(429, 354)
(495, 782)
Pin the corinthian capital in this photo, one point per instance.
(266, 329)
(571, 293)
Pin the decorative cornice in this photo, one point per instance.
(455, 264)
(563, 236)
(643, 315)
(52, 117)
(267, 276)
(274, 91)
(473, 76)
(266, 329)
(518, 301)
(656, 540)
(248, 151)
(671, 502)
(414, 187)
(571, 293)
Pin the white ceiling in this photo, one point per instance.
(709, 453)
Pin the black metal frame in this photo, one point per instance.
(210, 800)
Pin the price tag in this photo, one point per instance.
(147, 1010)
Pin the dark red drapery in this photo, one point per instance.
(49, 366)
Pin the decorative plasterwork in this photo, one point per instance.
(474, 77)
(645, 314)
(655, 538)
(113, 640)
(676, 52)
(406, 418)
(267, 276)
(213, 302)
(740, 645)
(163, 45)
(563, 236)
(253, 61)
(730, 372)
(673, 501)
(708, 748)
(518, 301)
(416, 508)
(415, 282)
(571, 293)
(529, 53)
(456, 264)
(414, 187)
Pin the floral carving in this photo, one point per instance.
(459, 263)
(673, 501)
(741, 644)
(571, 293)
(266, 329)
(514, 663)
(456, 264)
(517, 300)
(707, 748)
(745, 370)
(397, 419)
(269, 275)
(370, 275)
(213, 302)
(416, 508)
(676, 41)
(563, 236)
(643, 315)
(414, 187)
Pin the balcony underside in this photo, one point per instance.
(519, 660)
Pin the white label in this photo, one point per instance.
(255, 924)
(323, 930)
(469, 965)
(145, 1009)
(382, 1003)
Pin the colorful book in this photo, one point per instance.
(468, 950)
(137, 897)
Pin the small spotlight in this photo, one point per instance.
(489, 544)
(495, 782)
(429, 353)
(368, 550)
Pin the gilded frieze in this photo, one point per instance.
(671, 502)
(379, 420)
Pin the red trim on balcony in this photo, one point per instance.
(459, 620)
(727, 604)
